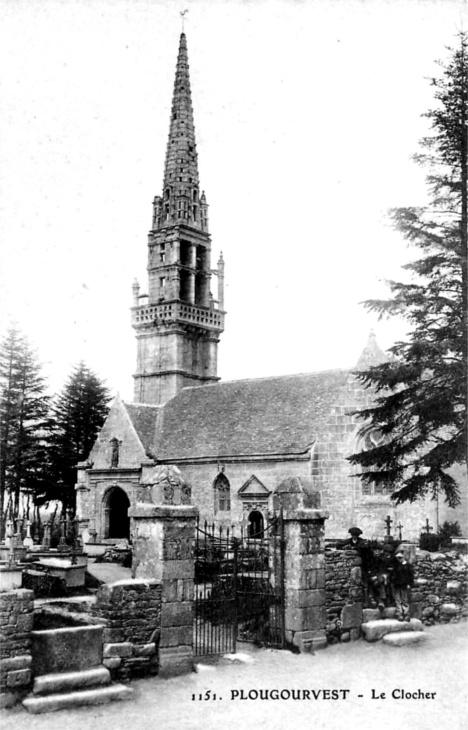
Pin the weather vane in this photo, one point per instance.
(183, 13)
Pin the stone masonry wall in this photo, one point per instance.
(343, 584)
(439, 595)
(16, 623)
(440, 592)
(131, 611)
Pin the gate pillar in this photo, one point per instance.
(163, 550)
(304, 563)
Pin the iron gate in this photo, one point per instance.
(239, 592)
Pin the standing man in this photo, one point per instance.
(402, 579)
(366, 554)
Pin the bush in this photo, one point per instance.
(429, 542)
(447, 531)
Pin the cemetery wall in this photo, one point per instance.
(131, 612)
(16, 623)
(343, 583)
(439, 594)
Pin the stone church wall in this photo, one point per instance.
(269, 473)
(342, 493)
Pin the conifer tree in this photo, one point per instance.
(25, 423)
(421, 392)
(80, 410)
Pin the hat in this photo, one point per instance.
(355, 531)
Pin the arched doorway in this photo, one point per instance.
(116, 519)
(256, 523)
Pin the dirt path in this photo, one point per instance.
(439, 667)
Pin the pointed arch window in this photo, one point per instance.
(222, 493)
(371, 437)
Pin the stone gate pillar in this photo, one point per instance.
(304, 563)
(163, 530)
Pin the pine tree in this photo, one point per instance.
(421, 392)
(25, 424)
(80, 410)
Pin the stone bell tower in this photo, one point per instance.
(178, 323)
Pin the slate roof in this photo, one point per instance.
(144, 419)
(277, 415)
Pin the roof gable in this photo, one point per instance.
(119, 426)
(253, 487)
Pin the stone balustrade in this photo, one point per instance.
(178, 311)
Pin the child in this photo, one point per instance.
(402, 579)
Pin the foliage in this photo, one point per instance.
(25, 424)
(429, 542)
(448, 530)
(79, 411)
(420, 403)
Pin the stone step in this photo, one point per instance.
(374, 614)
(375, 630)
(68, 681)
(65, 701)
(403, 638)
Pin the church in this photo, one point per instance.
(234, 442)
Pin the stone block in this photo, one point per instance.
(176, 636)
(453, 587)
(175, 661)
(177, 614)
(112, 636)
(370, 614)
(309, 641)
(351, 615)
(303, 619)
(144, 650)
(403, 638)
(70, 681)
(19, 678)
(178, 569)
(69, 700)
(449, 609)
(112, 662)
(25, 622)
(305, 598)
(375, 630)
(68, 649)
(7, 700)
(122, 649)
(13, 663)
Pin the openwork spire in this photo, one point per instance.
(181, 194)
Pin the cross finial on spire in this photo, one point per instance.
(183, 13)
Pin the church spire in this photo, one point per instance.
(178, 322)
(181, 194)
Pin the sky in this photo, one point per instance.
(307, 115)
